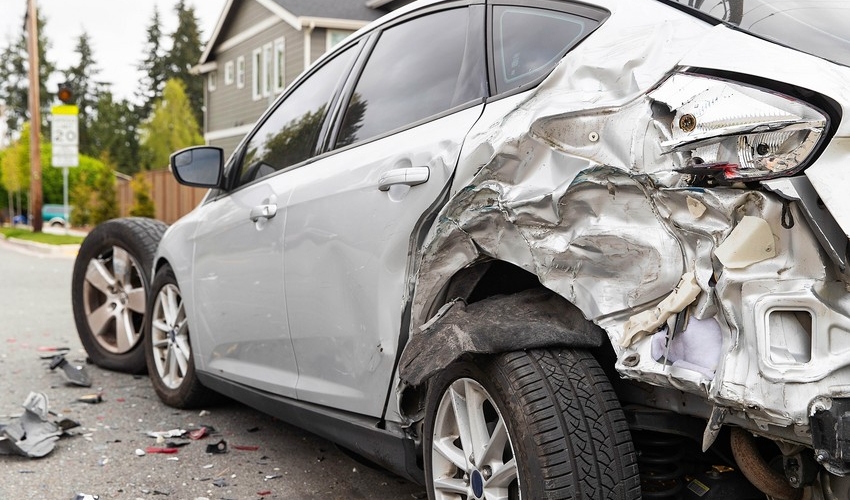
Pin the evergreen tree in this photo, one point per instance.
(172, 126)
(154, 66)
(14, 79)
(116, 132)
(87, 91)
(186, 49)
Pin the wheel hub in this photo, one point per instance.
(477, 483)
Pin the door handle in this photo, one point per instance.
(411, 176)
(263, 212)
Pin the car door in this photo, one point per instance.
(242, 326)
(354, 216)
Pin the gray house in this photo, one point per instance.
(258, 47)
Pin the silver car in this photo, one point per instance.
(525, 249)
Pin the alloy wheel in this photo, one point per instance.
(170, 337)
(472, 457)
(114, 300)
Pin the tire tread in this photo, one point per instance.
(573, 417)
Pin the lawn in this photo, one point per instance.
(52, 239)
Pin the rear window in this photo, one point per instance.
(817, 27)
(528, 42)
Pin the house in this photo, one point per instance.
(258, 47)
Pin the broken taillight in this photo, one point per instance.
(735, 132)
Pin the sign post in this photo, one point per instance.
(65, 139)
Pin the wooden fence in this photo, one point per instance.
(172, 200)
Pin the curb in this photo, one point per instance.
(42, 248)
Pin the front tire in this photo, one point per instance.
(527, 425)
(168, 349)
(109, 289)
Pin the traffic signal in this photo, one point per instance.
(65, 93)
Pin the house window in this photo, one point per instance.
(268, 73)
(279, 65)
(228, 73)
(240, 72)
(211, 78)
(256, 74)
(334, 37)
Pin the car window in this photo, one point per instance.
(289, 134)
(817, 27)
(418, 69)
(528, 42)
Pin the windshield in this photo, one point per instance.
(818, 27)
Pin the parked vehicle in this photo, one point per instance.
(500, 246)
(55, 215)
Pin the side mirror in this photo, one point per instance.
(199, 166)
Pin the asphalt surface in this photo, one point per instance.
(276, 461)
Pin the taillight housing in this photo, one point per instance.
(731, 132)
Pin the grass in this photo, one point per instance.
(51, 239)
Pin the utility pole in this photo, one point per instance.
(35, 118)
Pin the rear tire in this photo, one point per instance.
(527, 425)
(109, 290)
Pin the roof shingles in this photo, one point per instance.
(334, 9)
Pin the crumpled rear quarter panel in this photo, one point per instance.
(570, 185)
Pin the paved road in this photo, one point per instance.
(99, 458)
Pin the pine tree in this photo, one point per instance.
(154, 66)
(116, 132)
(186, 49)
(87, 90)
(14, 79)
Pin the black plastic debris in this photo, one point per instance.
(31, 435)
(176, 444)
(220, 482)
(67, 424)
(74, 374)
(217, 448)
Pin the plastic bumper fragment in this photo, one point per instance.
(31, 435)
(74, 374)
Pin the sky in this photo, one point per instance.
(117, 31)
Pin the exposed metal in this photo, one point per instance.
(612, 186)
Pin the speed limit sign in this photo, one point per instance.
(64, 136)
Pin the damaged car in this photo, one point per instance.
(525, 249)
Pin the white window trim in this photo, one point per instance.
(211, 80)
(329, 37)
(279, 63)
(267, 72)
(228, 73)
(256, 83)
(240, 72)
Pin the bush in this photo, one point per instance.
(143, 205)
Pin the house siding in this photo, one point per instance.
(247, 16)
(318, 43)
(230, 110)
(229, 106)
(228, 144)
